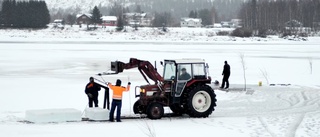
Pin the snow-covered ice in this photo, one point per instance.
(49, 69)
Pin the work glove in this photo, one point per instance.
(90, 95)
(129, 83)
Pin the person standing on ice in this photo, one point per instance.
(117, 99)
(226, 75)
(91, 90)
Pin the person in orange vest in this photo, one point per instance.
(91, 90)
(117, 99)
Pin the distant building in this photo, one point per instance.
(237, 23)
(226, 24)
(217, 25)
(293, 23)
(191, 22)
(109, 20)
(58, 23)
(138, 19)
(84, 19)
(295, 26)
(234, 23)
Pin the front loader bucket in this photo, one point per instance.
(117, 66)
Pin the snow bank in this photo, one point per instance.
(97, 114)
(53, 115)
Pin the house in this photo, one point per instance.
(226, 24)
(58, 23)
(84, 19)
(191, 22)
(109, 20)
(294, 26)
(138, 19)
(237, 23)
(293, 23)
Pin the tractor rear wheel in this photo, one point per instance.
(201, 101)
(155, 111)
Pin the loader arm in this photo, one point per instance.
(145, 68)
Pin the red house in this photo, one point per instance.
(109, 21)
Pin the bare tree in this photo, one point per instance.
(265, 75)
(310, 64)
(244, 70)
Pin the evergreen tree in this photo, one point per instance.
(205, 16)
(116, 10)
(96, 15)
(162, 19)
(25, 14)
(120, 23)
(8, 12)
(138, 9)
(71, 19)
(191, 14)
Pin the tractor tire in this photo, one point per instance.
(155, 111)
(177, 109)
(201, 101)
(138, 108)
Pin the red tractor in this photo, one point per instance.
(183, 87)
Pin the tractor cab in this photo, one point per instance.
(184, 72)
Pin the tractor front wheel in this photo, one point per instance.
(138, 108)
(155, 111)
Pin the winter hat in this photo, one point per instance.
(91, 78)
(118, 82)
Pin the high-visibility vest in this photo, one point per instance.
(118, 90)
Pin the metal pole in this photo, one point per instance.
(106, 102)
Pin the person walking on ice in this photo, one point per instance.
(226, 74)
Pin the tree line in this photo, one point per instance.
(272, 15)
(224, 10)
(24, 14)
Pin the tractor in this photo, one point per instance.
(189, 94)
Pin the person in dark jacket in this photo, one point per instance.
(226, 75)
(91, 90)
(184, 74)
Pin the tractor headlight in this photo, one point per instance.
(142, 90)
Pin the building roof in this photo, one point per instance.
(191, 19)
(135, 14)
(188, 60)
(87, 14)
(58, 20)
(109, 18)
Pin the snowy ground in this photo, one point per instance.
(49, 69)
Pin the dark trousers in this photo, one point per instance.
(115, 103)
(92, 100)
(225, 80)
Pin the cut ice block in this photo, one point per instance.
(97, 114)
(53, 115)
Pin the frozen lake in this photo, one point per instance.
(52, 74)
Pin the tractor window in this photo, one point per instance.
(169, 71)
(199, 70)
(184, 71)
